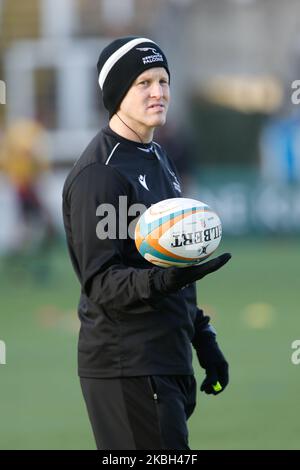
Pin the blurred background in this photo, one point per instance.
(234, 133)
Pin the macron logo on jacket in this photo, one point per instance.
(142, 180)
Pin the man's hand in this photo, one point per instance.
(216, 379)
(213, 361)
(168, 280)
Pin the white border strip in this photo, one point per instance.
(117, 56)
(111, 153)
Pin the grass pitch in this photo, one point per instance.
(253, 303)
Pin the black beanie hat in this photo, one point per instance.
(121, 62)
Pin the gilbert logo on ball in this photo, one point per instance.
(178, 232)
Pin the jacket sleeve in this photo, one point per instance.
(200, 320)
(94, 209)
(202, 328)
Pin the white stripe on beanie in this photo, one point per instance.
(117, 55)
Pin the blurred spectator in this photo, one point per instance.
(280, 149)
(23, 160)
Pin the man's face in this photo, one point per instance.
(146, 102)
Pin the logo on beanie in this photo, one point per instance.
(156, 57)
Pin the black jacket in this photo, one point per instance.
(126, 329)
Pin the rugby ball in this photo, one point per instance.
(178, 232)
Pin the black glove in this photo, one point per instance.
(168, 280)
(212, 360)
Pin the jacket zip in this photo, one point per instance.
(152, 388)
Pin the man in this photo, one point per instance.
(137, 320)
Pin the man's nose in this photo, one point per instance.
(156, 90)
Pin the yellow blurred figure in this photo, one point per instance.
(23, 159)
(23, 153)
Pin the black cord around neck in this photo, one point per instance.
(130, 128)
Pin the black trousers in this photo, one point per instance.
(140, 413)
